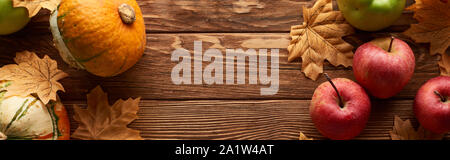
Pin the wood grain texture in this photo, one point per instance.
(171, 111)
(231, 15)
(151, 77)
(249, 119)
(224, 16)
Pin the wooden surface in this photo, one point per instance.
(170, 111)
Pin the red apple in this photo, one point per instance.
(384, 66)
(340, 118)
(432, 105)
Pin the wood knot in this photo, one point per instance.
(127, 13)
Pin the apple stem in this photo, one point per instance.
(443, 99)
(127, 13)
(390, 44)
(341, 104)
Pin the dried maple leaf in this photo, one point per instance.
(100, 121)
(433, 28)
(33, 6)
(320, 38)
(403, 130)
(304, 137)
(444, 64)
(33, 75)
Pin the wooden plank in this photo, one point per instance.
(151, 77)
(224, 16)
(231, 15)
(221, 16)
(248, 119)
(171, 111)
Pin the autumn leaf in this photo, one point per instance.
(403, 130)
(100, 121)
(444, 64)
(33, 6)
(319, 38)
(304, 137)
(33, 75)
(433, 28)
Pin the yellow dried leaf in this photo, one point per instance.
(100, 121)
(304, 137)
(403, 130)
(433, 28)
(319, 38)
(33, 6)
(33, 75)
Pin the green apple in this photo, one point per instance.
(371, 15)
(12, 19)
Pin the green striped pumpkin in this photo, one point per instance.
(29, 118)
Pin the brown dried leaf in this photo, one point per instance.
(319, 38)
(304, 137)
(403, 130)
(444, 64)
(33, 75)
(424, 134)
(433, 28)
(100, 121)
(33, 6)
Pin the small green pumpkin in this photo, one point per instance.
(29, 118)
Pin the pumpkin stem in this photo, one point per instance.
(127, 13)
(3, 136)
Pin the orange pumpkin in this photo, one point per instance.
(104, 37)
